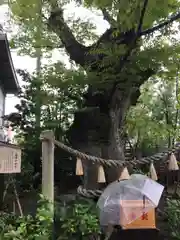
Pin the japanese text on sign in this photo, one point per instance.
(10, 160)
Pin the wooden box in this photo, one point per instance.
(146, 221)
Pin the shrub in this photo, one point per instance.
(173, 218)
(78, 221)
(36, 227)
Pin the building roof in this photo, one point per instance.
(8, 76)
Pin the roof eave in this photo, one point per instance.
(3, 36)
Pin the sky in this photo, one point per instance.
(27, 63)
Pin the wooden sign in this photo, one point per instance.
(133, 208)
(10, 158)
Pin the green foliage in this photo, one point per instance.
(58, 90)
(33, 15)
(79, 220)
(173, 218)
(128, 13)
(33, 31)
(28, 227)
(153, 122)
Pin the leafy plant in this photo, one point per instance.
(173, 217)
(28, 227)
(78, 221)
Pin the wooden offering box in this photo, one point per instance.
(146, 221)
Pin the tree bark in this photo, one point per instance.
(99, 131)
(120, 104)
(85, 134)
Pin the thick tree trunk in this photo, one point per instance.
(120, 104)
(85, 135)
(99, 129)
(99, 132)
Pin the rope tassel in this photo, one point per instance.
(101, 175)
(124, 174)
(173, 165)
(152, 172)
(79, 167)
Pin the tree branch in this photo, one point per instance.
(161, 25)
(77, 51)
(143, 11)
(137, 33)
(108, 18)
(132, 45)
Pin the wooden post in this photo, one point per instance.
(48, 165)
(48, 170)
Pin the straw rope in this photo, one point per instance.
(110, 162)
(115, 163)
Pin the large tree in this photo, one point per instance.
(131, 50)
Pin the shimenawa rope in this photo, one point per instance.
(109, 162)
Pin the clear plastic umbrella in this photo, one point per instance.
(122, 202)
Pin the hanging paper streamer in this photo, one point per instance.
(101, 175)
(79, 167)
(152, 172)
(173, 165)
(124, 174)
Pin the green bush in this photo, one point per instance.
(36, 227)
(173, 218)
(77, 221)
